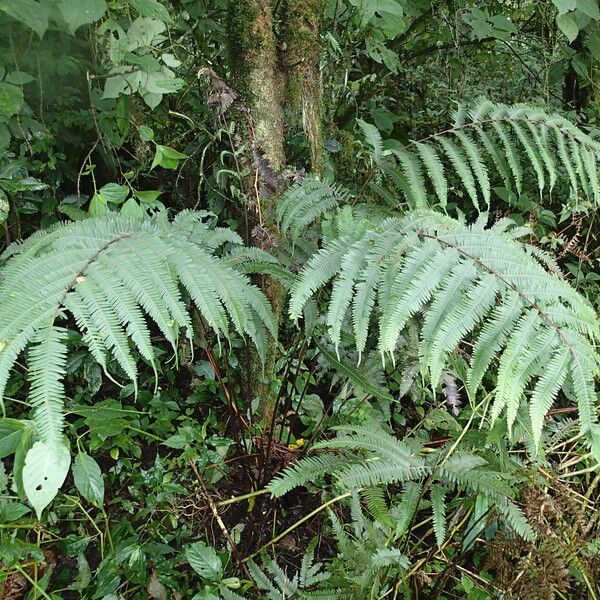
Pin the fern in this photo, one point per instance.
(438, 506)
(368, 457)
(111, 275)
(468, 282)
(280, 586)
(373, 139)
(491, 138)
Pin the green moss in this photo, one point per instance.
(246, 38)
(345, 161)
(302, 32)
(301, 57)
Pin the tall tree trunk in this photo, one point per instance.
(258, 78)
(265, 71)
(301, 58)
(254, 64)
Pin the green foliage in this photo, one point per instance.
(70, 271)
(492, 141)
(468, 282)
(115, 114)
(279, 586)
(372, 457)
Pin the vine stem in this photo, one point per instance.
(234, 549)
(297, 524)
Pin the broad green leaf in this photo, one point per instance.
(150, 8)
(565, 6)
(589, 8)
(152, 99)
(205, 561)
(84, 574)
(11, 511)
(132, 209)
(11, 99)
(73, 212)
(390, 18)
(161, 83)
(366, 10)
(25, 184)
(115, 193)
(568, 26)
(98, 205)
(30, 12)
(146, 133)
(10, 436)
(144, 32)
(45, 470)
(170, 60)
(117, 85)
(593, 44)
(166, 157)
(171, 153)
(147, 196)
(88, 479)
(19, 78)
(81, 12)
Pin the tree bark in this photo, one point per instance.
(258, 79)
(267, 70)
(254, 63)
(304, 86)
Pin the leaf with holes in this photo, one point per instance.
(45, 470)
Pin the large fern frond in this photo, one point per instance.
(368, 457)
(494, 138)
(468, 283)
(112, 275)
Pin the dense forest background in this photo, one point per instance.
(299, 299)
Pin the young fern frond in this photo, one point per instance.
(369, 457)
(469, 283)
(280, 586)
(303, 203)
(373, 139)
(112, 275)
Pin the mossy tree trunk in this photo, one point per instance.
(302, 54)
(270, 72)
(254, 64)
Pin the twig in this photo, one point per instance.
(215, 512)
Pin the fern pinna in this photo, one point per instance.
(109, 274)
(467, 282)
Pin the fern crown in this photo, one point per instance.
(465, 282)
